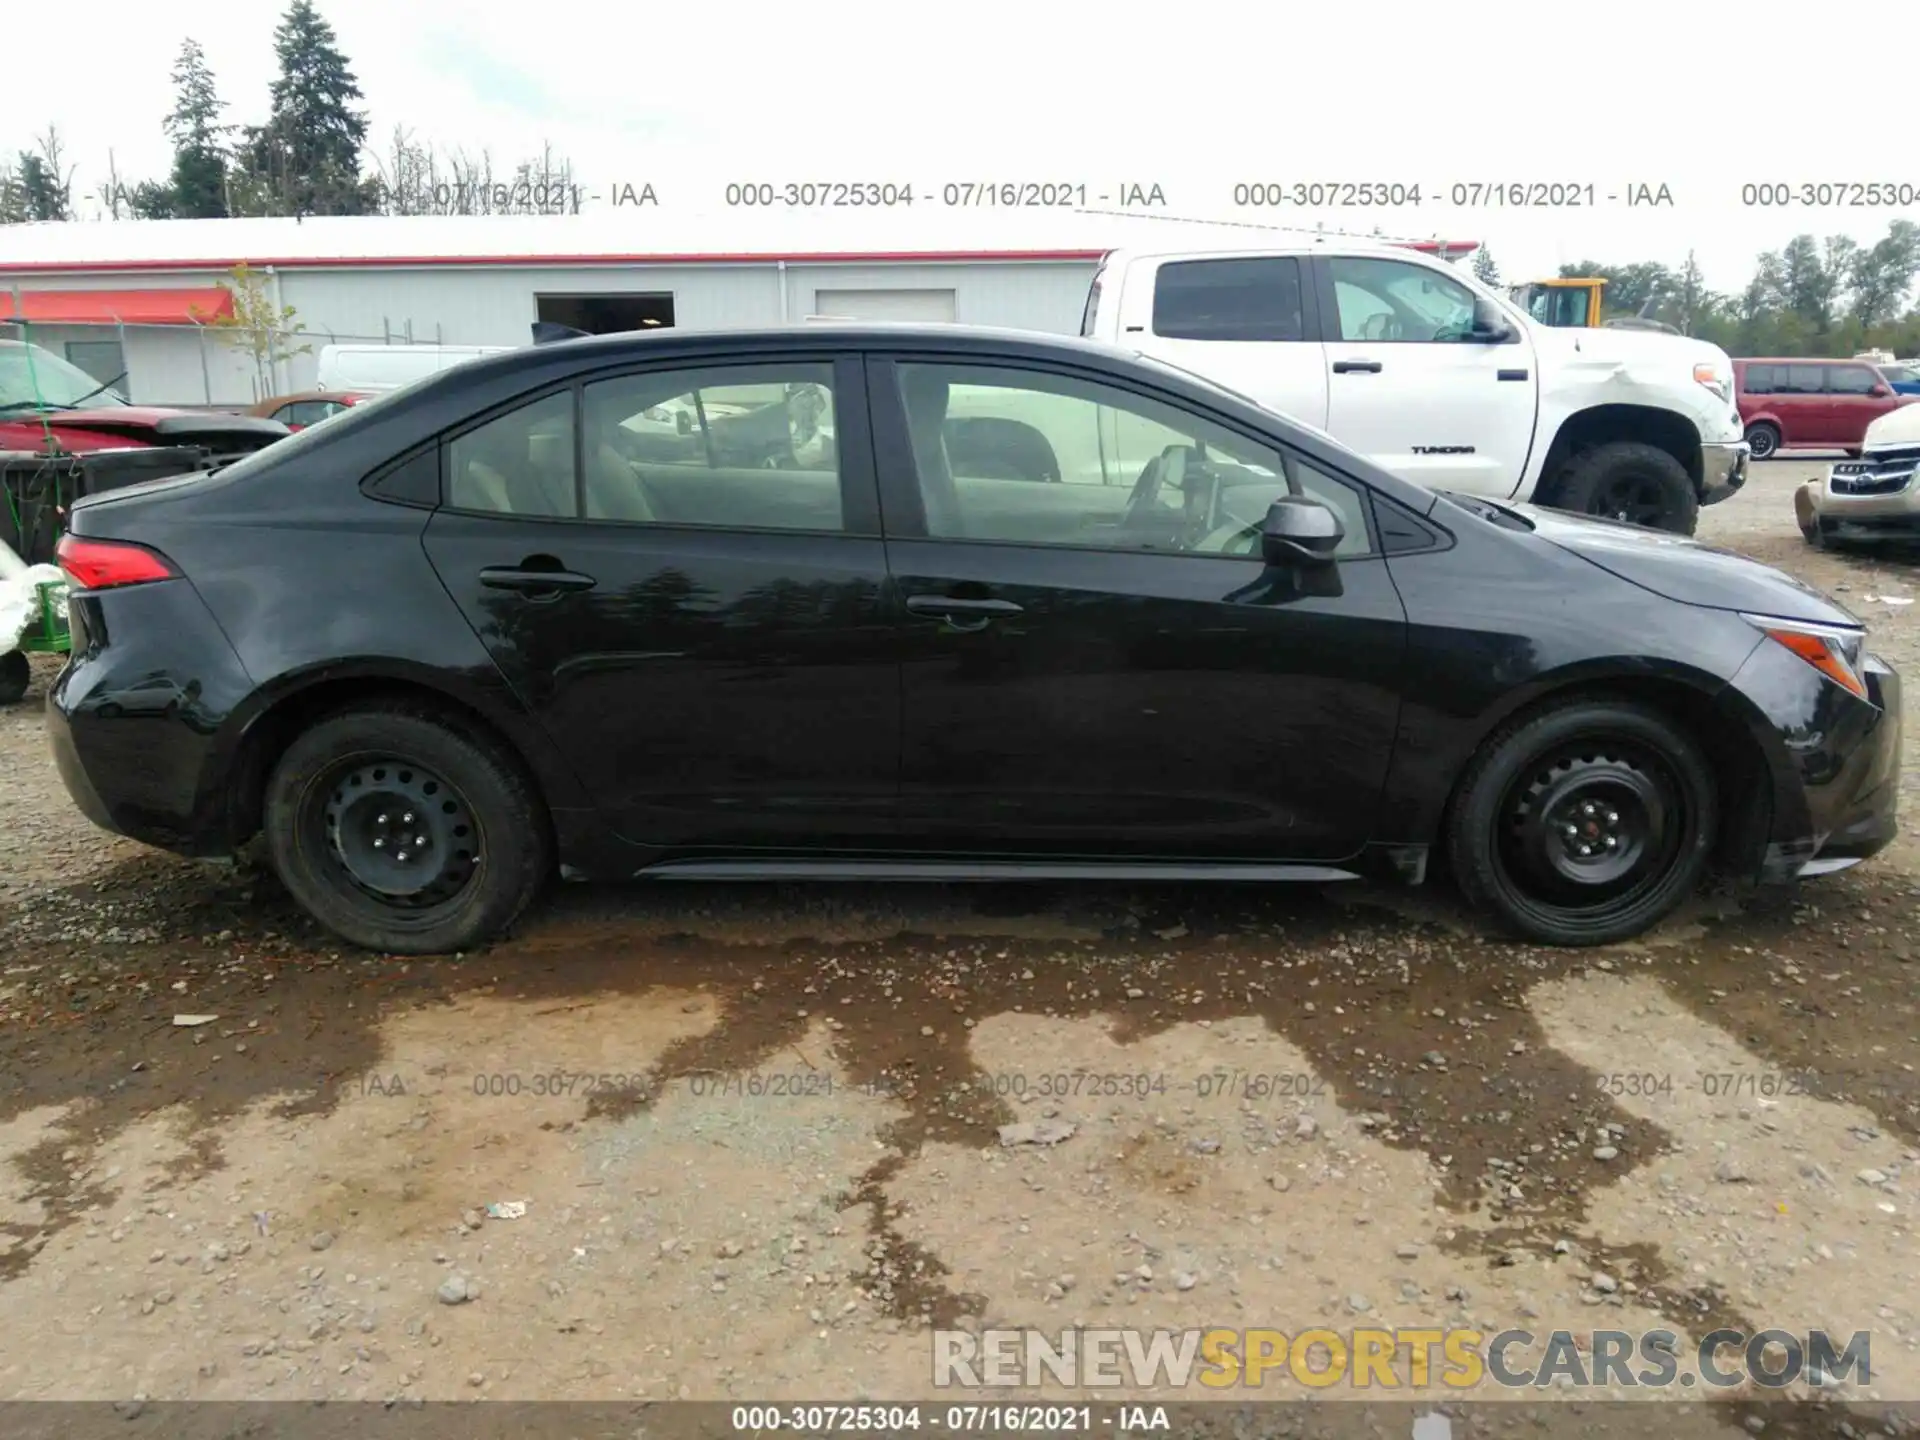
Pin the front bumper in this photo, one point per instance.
(1864, 499)
(1837, 796)
(1723, 469)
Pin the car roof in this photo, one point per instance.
(1803, 360)
(1323, 245)
(841, 332)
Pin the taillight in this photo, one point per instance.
(109, 564)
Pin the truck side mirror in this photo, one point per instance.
(1300, 531)
(1490, 325)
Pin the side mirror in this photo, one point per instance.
(1490, 324)
(1881, 390)
(683, 422)
(1300, 530)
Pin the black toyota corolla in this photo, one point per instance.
(931, 602)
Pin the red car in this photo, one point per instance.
(1803, 404)
(308, 407)
(47, 403)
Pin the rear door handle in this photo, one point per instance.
(1349, 367)
(1513, 374)
(535, 581)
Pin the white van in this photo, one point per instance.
(1410, 362)
(373, 369)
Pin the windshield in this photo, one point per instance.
(31, 376)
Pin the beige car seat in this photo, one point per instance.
(478, 486)
(615, 490)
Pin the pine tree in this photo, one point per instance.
(306, 159)
(198, 184)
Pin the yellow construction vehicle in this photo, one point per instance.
(1566, 303)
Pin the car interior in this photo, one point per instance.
(762, 457)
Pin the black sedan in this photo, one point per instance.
(997, 606)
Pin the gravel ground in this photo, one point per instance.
(759, 1133)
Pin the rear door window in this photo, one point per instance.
(1806, 380)
(1257, 298)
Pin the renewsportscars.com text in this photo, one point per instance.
(1391, 1359)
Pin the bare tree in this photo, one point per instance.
(417, 179)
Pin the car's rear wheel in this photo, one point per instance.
(15, 675)
(1763, 439)
(403, 832)
(1631, 481)
(1584, 824)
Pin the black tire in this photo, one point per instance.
(1763, 438)
(15, 675)
(1507, 838)
(487, 851)
(1627, 480)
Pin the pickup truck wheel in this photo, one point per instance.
(1585, 824)
(403, 833)
(1764, 439)
(1627, 480)
(15, 675)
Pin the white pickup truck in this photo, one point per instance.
(1410, 362)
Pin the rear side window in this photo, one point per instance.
(1759, 380)
(1251, 299)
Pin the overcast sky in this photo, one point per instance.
(1193, 96)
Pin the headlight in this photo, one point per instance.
(1833, 650)
(1709, 374)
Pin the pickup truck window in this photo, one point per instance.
(1394, 302)
(1252, 299)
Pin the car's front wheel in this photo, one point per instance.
(403, 832)
(1584, 824)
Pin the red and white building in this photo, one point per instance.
(137, 296)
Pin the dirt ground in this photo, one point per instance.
(756, 1131)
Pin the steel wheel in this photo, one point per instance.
(1590, 829)
(399, 833)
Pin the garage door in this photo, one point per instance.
(936, 305)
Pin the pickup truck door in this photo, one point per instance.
(1248, 322)
(1409, 389)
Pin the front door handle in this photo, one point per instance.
(1350, 367)
(534, 579)
(959, 613)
